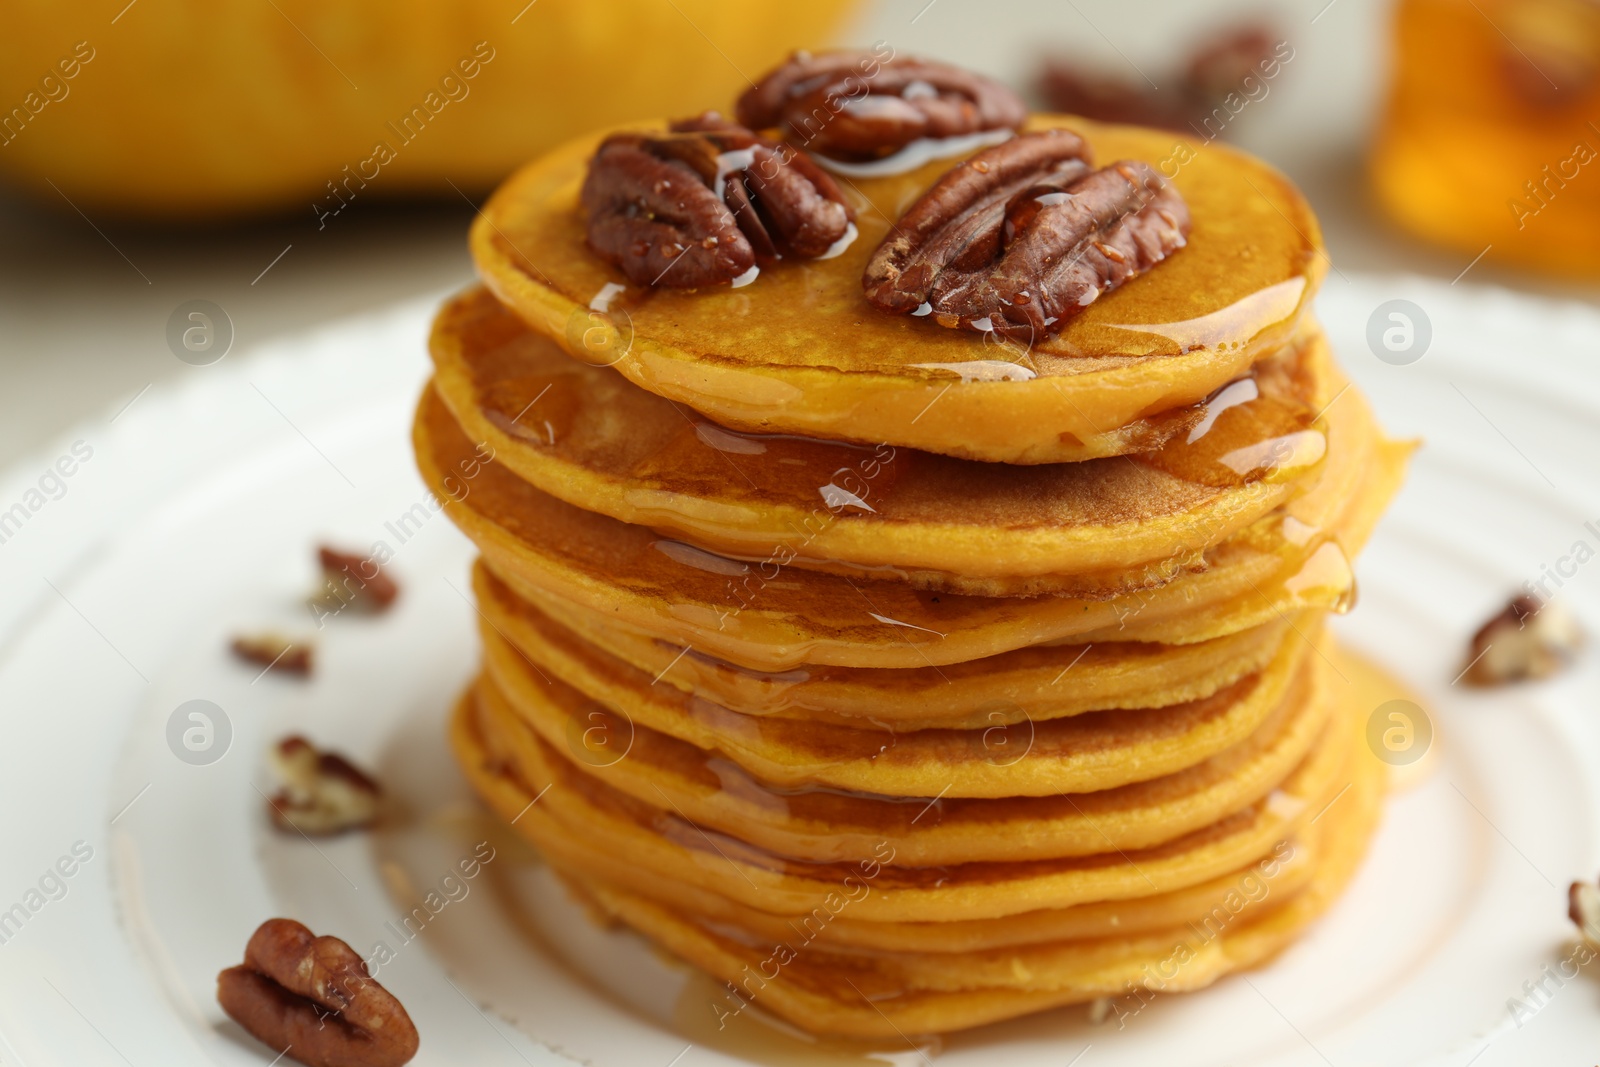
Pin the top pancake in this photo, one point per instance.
(800, 350)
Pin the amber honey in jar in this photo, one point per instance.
(1490, 141)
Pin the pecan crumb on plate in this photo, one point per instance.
(1528, 640)
(322, 792)
(354, 581)
(275, 652)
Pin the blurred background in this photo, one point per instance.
(293, 162)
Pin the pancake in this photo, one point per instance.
(1079, 754)
(832, 825)
(898, 992)
(582, 823)
(1286, 868)
(1038, 683)
(801, 351)
(886, 999)
(587, 436)
(773, 618)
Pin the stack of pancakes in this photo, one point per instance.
(904, 678)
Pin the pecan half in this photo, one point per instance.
(704, 203)
(352, 580)
(1023, 235)
(323, 793)
(858, 105)
(313, 1000)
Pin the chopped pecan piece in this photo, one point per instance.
(312, 999)
(706, 202)
(1229, 63)
(1023, 235)
(1527, 640)
(1583, 908)
(1074, 90)
(350, 580)
(323, 793)
(1222, 65)
(274, 651)
(856, 105)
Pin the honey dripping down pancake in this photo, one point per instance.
(588, 437)
(798, 351)
(904, 547)
(550, 552)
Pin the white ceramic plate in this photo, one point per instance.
(194, 517)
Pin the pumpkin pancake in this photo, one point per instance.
(801, 351)
(571, 692)
(770, 617)
(929, 989)
(587, 825)
(893, 995)
(1038, 683)
(592, 439)
(1285, 869)
(829, 825)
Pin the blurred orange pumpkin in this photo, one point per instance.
(196, 109)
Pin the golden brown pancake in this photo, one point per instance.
(898, 991)
(592, 439)
(1285, 869)
(775, 618)
(1038, 683)
(585, 824)
(823, 824)
(565, 691)
(801, 351)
